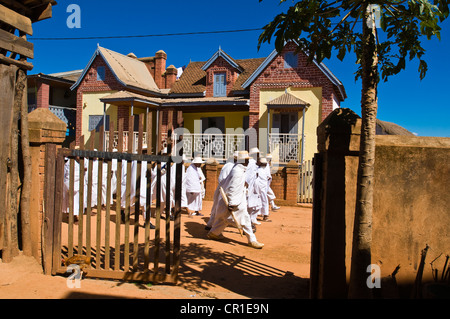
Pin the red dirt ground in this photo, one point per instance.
(209, 269)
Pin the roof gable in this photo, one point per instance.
(226, 57)
(321, 66)
(193, 79)
(130, 72)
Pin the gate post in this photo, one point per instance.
(45, 129)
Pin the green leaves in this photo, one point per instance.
(323, 28)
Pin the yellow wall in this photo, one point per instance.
(93, 106)
(232, 119)
(312, 115)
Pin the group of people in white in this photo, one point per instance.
(243, 193)
(243, 190)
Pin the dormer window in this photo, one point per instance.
(100, 73)
(220, 84)
(290, 60)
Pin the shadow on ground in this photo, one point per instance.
(202, 268)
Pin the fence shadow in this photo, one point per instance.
(203, 268)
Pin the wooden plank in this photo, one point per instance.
(19, 63)
(42, 12)
(71, 206)
(126, 276)
(149, 132)
(118, 196)
(177, 221)
(57, 218)
(7, 80)
(89, 200)
(101, 139)
(167, 208)
(81, 200)
(10, 42)
(127, 197)
(137, 197)
(148, 195)
(157, 221)
(16, 20)
(108, 200)
(159, 141)
(49, 207)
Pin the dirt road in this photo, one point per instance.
(209, 269)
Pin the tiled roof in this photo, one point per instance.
(129, 71)
(193, 79)
(287, 99)
(122, 96)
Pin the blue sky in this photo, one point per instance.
(423, 107)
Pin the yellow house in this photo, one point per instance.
(225, 104)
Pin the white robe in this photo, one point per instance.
(260, 188)
(234, 187)
(253, 200)
(270, 193)
(124, 182)
(225, 171)
(76, 187)
(194, 189)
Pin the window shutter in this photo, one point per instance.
(220, 86)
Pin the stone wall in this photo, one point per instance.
(410, 211)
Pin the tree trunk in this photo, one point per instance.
(362, 229)
(21, 100)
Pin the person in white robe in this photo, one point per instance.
(224, 172)
(193, 185)
(234, 187)
(76, 187)
(261, 187)
(125, 173)
(253, 198)
(270, 194)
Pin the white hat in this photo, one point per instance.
(242, 155)
(253, 150)
(263, 160)
(269, 156)
(197, 160)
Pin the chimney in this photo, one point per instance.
(160, 67)
(171, 76)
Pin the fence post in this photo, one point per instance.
(291, 183)
(211, 175)
(44, 128)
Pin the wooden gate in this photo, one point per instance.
(305, 182)
(116, 233)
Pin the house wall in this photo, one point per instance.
(89, 89)
(232, 119)
(276, 78)
(312, 115)
(93, 106)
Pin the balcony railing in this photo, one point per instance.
(284, 147)
(125, 140)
